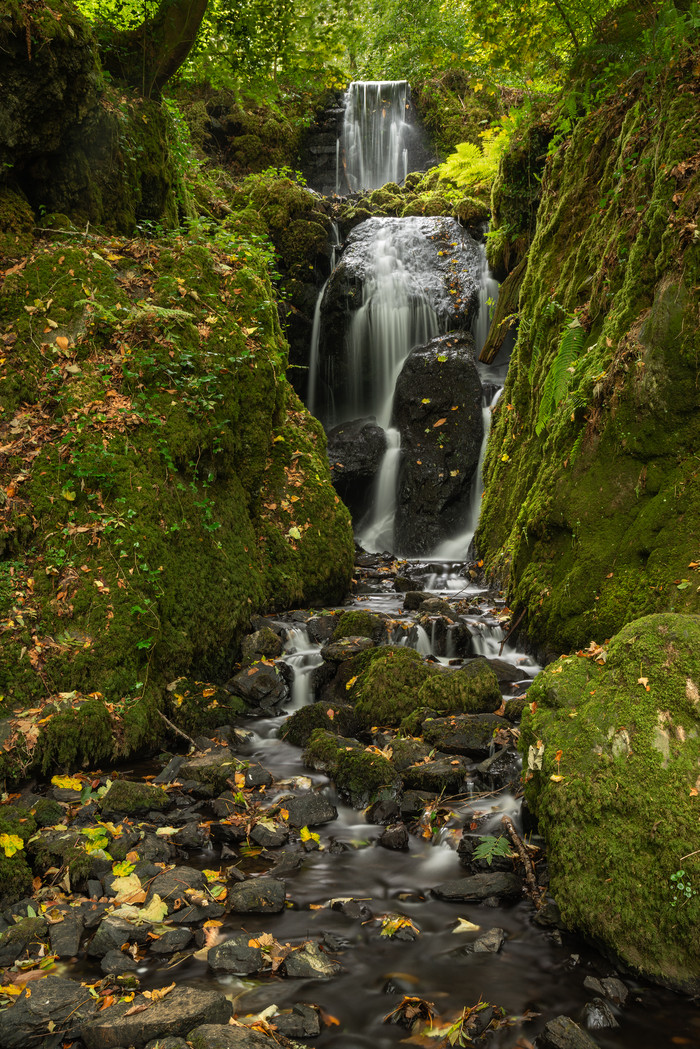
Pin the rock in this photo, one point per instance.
(309, 962)
(321, 627)
(170, 773)
(178, 1013)
(395, 836)
(257, 896)
(263, 644)
(310, 810)
(257, 776)
(128, 798)
(217, 1036)
(480, 887)
(168, 1043)
(437, 410)
(435, 606)
(269, 837)
(302, 1022)
(54, 1000)
(298, 727)
(563, 1033)
(65, 936)
(506, 672)
(355, 453)
(470, 734)
(413, 599)
(171, 941)
(235, 956)
(260, 686)
(634, 739)
(112, 932)
(115, 963)
(172, 886)
(443, 774)
(500, 770)
(489, 943)
(383, 811)
(610, 988)
(415, 802)
(214, 768)
(339, 651)
(465, 850)
(598, 1014)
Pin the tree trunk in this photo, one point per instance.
(149, 56)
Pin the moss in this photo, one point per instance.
(47, 812)
(133, 798)
(388, 689)
(15, 874)
(453, 111)
(473, 690)
(593, 520)
(359, 624)
(16, 223)
(298, 728)
(624, 819)
(362, 775)
(78, 739)
(200, 707)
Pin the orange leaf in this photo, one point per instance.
(440, 422)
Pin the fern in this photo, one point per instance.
(558, 378)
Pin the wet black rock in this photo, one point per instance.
(115, 963)
(172, 886)
(112, 933)
(465, 851)
(488, 943)
(65, 936)
(321, 627)
(598, 1014)
(217, 1036)
(55, 1013)
(445, 774)
(302, 1022)
(394, 837)
(413, 599)
(502, 769)
(270, 837)
(171, 941)
(310, 810)
(506, 672)
(480, 887)
(470, 734)
(236, 956)
(257, 896)
(435, 606)
(609, 987)
(563, 1033)
(356, 910)
(339, 651)
(383, 811)
(437, 410)
(178, 1013)
(262, 687)
(23, 939)
(309, 962)
(355, 453)
(414, 802)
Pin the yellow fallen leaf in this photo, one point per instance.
(351, 682)
(557, 779)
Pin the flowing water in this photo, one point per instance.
(374, 141)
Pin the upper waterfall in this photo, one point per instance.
(375, 137)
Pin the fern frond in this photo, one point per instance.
(558, 378)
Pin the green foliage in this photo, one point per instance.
(490, 847)
(681, 887)
(472, 167)
(558, 379)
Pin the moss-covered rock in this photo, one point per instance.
(360, 774)
(591, 514)
(453, 110)
(472, 690)
(612, 768)
(359, 623)
(16, 224)
(337, 719)
(131, 798)
(15, 874)
(145, 529)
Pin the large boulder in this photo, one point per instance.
(355, 453)
(437, 410)
(612, 768)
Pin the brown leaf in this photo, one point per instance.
(440, 422)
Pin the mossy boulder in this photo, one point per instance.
(611, 756)
(358, 623)
(131, 798)
(15, 873)
(263, 643)
(16, 224)
(395, 682)
(360, 774)
(336, 719)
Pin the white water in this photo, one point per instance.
(377, 533)
(394, 317)
(316, 326)
(374, 137)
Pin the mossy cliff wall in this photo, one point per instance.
(591, 515)
(160, 482)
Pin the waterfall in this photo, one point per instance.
(374, 139)
(394, 317)
(316, 326)
(377, 531)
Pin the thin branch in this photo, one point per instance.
(179, 731)
(537, 892)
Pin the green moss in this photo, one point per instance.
(15, 874)
(362, 775)
(591, 510)
(298, 728)
(47, 812)
(472, 690)
(453, 111)
(134, 798)
(624, 819)
(16, 223)
(359, 624)
(78, 739)
(388, 689)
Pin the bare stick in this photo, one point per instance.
(178, 730)
(517, 841)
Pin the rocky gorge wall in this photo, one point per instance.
(590, 515)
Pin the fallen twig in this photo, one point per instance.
(179, 731)
(537, 892)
